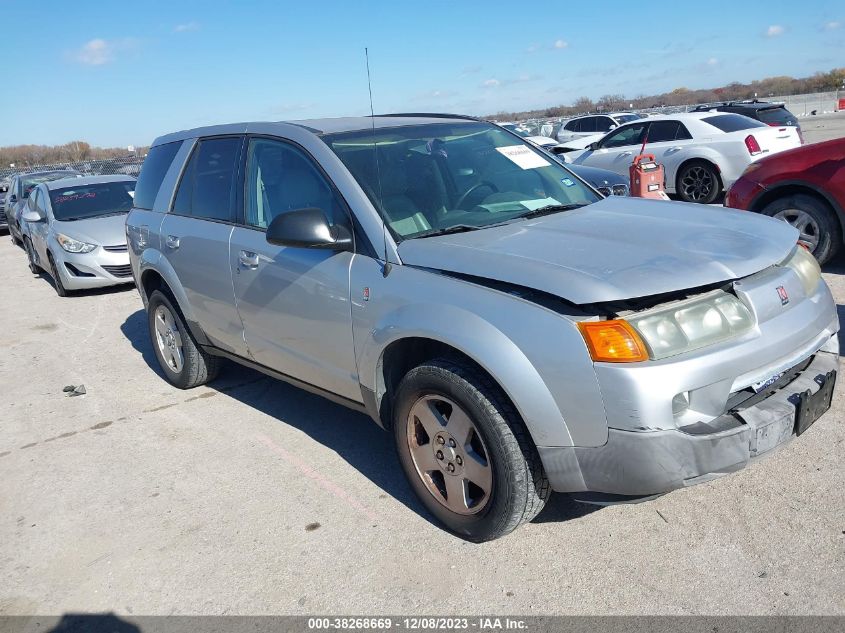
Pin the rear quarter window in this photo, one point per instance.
(154, 169)
(732, 122)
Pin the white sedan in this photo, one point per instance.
(702, 153)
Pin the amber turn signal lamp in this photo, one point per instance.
(613, 341)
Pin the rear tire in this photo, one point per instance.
(815, 220)
(496, 451)
(698, 181)
(57, 281)
(185, 364)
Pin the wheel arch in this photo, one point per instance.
(406, 339)
(697, 158)
(796, 187)
(156, 273)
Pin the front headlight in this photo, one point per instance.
(806, 267)
(74, 246)
(692, 324)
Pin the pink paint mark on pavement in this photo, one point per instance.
(324, 482)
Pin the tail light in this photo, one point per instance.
(752, 145)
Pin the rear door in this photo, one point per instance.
(294, 302)
(195, 237)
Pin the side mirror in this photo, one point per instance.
(308, 228)
(13, 199)
(612, 127)
(593, 146)
(32, 216)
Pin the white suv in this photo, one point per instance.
(594, 124)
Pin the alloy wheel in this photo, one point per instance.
(697, 183)
(449, 454)
(169, 339)
(806, 225)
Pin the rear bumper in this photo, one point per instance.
(639, 463)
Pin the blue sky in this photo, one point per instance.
(121, 72)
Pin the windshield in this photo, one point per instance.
(91, 201)
(467, 175)
(31, 182)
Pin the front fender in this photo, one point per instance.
(483, 343)
(152, 260)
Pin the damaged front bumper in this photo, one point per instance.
(644, 463)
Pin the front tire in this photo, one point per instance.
(34, 268)
(466, 452)
(57, 280)
(699, 182)
(185, 364)
(813, 219)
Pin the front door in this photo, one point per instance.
(294, 302)
(616, 151)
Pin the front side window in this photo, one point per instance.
(209, 182)
(431, 177)
(573, 126)
(281, 178)
(631, 134)
(603, 123)
(92, 201)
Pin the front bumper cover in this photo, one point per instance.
(641, 463)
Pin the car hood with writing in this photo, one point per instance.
(108, 230)
(618, 248)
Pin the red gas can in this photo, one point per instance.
(647, 178)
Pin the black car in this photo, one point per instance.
(774, 114)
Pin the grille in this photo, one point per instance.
(117, 248)
(119, 271)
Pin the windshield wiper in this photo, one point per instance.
(549, 209)
(455, 228)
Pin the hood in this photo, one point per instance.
(618, 248)
(105, 231)
(598, 177)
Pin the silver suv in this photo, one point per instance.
(515, 332)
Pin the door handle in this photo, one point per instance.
(172, 242)
(248, 259)
(625, 153)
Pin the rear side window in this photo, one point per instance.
(665, 131)
(155, 167)
(732, 122)
(775, 116)
(208, 185)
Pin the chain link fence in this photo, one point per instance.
(123, 165)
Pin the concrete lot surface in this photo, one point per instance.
(248, 496)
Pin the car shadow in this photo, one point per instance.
(352, 435)
(93, 292)
(93, 623)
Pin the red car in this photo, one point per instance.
(804, 186)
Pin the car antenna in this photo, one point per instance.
(387, 265)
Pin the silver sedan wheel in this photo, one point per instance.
(449, 455)
(169, 339)
(806, 225)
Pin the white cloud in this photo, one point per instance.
(561, 44)
(533, 48)
(775, 30)
(712, 62)
(188, 26)
(94, 53)
(99, 52)
(491, 83)
(832, 25)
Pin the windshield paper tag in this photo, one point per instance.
(523, 156)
